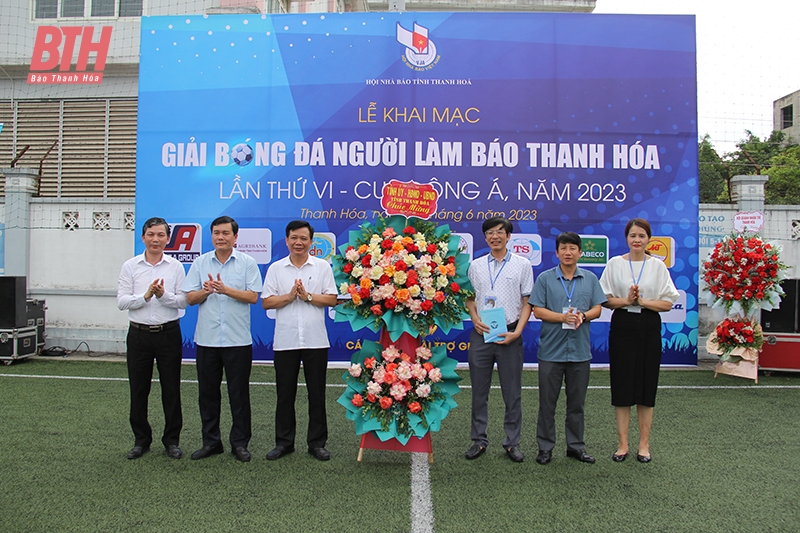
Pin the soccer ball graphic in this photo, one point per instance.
(242, 154)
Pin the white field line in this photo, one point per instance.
(342, 385)
(421, 503)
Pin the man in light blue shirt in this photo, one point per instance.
(224, 283)
(565, 298)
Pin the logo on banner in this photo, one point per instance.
(465, 243)
(185, 242)
(257, 243)
(594, 250)
(420, 51)
(54, 48)
(663, 248)
(323, 246)
(527, 245)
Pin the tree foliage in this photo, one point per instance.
(772, 156)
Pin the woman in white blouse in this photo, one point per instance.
(638, 287)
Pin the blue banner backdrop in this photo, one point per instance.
(560, 122)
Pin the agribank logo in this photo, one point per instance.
(54, 48)
(420, 53)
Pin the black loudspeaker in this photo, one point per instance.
(13, 313)
(784, 319)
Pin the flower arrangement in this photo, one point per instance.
(733, 336)
(743, 274)
(405, 275)
(397, 394)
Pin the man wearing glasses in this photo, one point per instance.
(502, 281)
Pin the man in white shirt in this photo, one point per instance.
(149, 288)
(300, 287)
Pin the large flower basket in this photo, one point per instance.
(405, 278)
(742, 276)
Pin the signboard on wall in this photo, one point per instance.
(559, 122)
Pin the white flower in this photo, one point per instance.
(424, 352)
(423, 390)
(373, 388)
(352, 255)
(403, 370)
(414, 290)
(355, 370)
(441, 282)
(435, 375)
(400, 277)
(357, 272)
(343, 288)
(375, 272)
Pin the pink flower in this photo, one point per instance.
(398, 391)
(424, 352)
(435, 375)
(355, 370)
(423, 390)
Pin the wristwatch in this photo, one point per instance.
(310, 297)
(584, 316)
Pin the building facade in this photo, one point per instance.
(786, 116)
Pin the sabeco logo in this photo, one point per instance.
(594, 250)
(185, 242)
(54, 49)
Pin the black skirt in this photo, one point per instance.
(634, 345)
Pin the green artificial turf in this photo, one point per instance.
(724, 459)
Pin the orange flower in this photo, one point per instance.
(414, 407)
(451, 270)
(389, 270)
(366, 283)
(402, 295)
(371, 398)
(356, 299)
(389, 378)
(363, 248)
(358, 400)
(369, 362)
(386, 402)
(405, 357)
(427, 366)
(442, 269)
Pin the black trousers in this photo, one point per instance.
(287, 369)
(236, 361)
(165, 348)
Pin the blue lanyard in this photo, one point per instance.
(635, 279)
(489, 263)
(571, 291)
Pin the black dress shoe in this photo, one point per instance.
(644, 458)
(278, 452)
(476, 450)
(515, 454)
(174, 451)
(618, 458)
(207, 451)
(320, 453)
(544, 457)
(138, 451)
(241, 453)
(581, 456)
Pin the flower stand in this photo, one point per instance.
(414, 444)
(741, 362)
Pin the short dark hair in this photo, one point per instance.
(640, 222)
(154, 221)
(299, 224)
(489, 223)
(226, 220)
(568, 237)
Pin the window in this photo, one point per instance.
(94, 144)
(787, 117)
(50, 9)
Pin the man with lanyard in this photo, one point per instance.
(299, 288)
(565, 299)
(149, 287)
(224, 283)
(501, 280)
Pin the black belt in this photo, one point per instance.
(157, 328)
(512, 326)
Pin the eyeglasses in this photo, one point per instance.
(493, 232)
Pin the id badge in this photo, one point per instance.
(571, 311)
(490, 302)
(634, 309)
